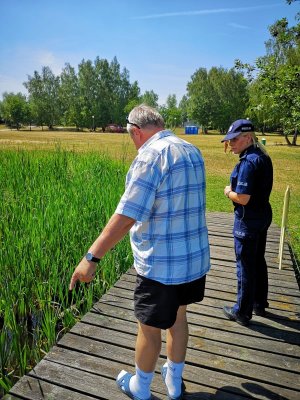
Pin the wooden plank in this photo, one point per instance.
(77, 380)
(36, 389)
(219, 298)
(219, 328)
(224, 360)
(192, 374)
(109, 368)
(217, 362)
(229, 285)
(201, 336)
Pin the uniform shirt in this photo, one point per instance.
(253, 175)
(165, 194)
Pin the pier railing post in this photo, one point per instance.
(283, 224)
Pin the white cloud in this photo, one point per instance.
(205, 12)
(238, 26)
(46, 58)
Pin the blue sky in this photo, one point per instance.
(161, 42)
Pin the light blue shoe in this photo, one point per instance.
(163, 375)
(123, 385)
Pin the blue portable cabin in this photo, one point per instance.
(191, 130)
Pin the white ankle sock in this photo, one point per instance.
(174, 377)
(140, 383)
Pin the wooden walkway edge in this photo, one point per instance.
(225, 361)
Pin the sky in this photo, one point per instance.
(161, 43)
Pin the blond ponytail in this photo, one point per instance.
(256, 143)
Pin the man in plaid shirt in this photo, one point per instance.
(163, 206)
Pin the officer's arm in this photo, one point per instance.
(238, 198)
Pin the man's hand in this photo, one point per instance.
(114, 231)
(84, 272)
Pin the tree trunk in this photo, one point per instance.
(294, 142)
(287, 139)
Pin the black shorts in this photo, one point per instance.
(156, 304)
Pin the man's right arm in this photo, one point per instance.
(117, 227)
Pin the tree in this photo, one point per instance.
(150, 98)
(171, 101)
(171, 113)
(69, 94)
(104, 92)
(229, 97)
(134, 98)
(15, 110)
(199, 94)
(44, 97)
(87, 93)
(217, 97)
(277, 83)
(183, 107)
(260, 109)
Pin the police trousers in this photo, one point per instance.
(252, 273)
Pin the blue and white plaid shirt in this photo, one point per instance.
(165, 194)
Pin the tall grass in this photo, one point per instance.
(53, 205)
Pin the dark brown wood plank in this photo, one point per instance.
(199, 336)
(192, 374)
(228, 286)
(217, 327)
(34, 388)
(109, 368)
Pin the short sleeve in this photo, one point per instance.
(139, 196)
(245, 178)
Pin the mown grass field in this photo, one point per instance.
(58, 190)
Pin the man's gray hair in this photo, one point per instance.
(144, 116)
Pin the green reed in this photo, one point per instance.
(52, 206)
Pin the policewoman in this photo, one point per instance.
(250, 187)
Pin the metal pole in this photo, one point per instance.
(283, 224)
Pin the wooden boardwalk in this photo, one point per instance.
(224, 361)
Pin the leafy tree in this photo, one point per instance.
(44, 97)
(183, 107)
(15, 110)
(260, 108)
(70, 97)
(277, 84)
(104, 92)
(134, 98)
(171, 113)
(87, 93)
(171, 101)
(199, 94)
(217, 97)
(150, 98)
(229, 97)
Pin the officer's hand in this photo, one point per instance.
(227, 189)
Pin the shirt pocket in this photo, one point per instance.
(234, 179)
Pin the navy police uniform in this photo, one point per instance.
(253, 175)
